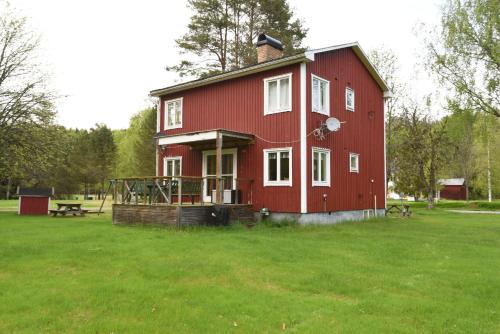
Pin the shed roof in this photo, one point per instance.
(40, 192)
(452, 182)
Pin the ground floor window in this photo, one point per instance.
(320, 167)
(278, 167)
(172, 166)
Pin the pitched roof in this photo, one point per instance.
(452, 182)
(42, 192)
(306, 56)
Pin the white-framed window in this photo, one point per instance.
(173, 114)
(172, 166)
(349, 99)
(278, 94)
(278, 167)
(320, 167)
(320, 95)
(354, 162)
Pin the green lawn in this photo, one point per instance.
(435, 272)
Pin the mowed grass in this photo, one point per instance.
(436, 272)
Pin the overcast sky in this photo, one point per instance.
(105, 56)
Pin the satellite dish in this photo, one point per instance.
(332, 124)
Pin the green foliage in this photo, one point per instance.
(221, 34)
(434, 272)
(136, 149)
(466, 53)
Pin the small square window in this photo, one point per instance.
(172, 166)
(349, 99)
(278, 167)
(354, 162)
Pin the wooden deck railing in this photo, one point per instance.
(158, 190)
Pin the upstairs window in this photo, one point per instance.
(321, 167)
(173, 114)
(278, 167)
(354, 163)
(172, 166)
(320, 95)
(278, 94)
(349, 99)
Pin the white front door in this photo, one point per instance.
(229, 168)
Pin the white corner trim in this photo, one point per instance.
(385, 159)
(278, 183)
(158, 112)
(303, 138)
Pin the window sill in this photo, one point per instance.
(326, 113)
(278, 184)
(320, 184)
(276, 112)
(354, 171)
(173, 127)
(349, 109)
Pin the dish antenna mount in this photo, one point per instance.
(331, 125)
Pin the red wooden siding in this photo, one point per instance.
(32, 205)
(453, 192)
(238, 105)
(362, 134)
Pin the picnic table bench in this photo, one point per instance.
(403, 210)
(68, 209)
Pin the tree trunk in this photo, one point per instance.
(9, 184)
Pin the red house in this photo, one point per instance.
(262, 129)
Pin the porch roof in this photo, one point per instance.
(206, 139)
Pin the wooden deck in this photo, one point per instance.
(175, 215)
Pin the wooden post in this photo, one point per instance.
(136, 188)
(218, 167)
(145, 193)
(179, 191)
(169, 191)
(201, 192)
(115, 192)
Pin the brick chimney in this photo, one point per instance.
(268, 48)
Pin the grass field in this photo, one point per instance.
(435, 272)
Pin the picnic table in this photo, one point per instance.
(69, 209)
(403, 210)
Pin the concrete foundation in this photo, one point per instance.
(324, 217)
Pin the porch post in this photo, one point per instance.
(218, 167)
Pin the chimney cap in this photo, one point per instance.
(264, 39)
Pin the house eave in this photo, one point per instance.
(233, 74)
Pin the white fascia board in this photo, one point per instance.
(189, 138)
(231, 75)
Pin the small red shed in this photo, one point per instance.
(453, 189)
(34, 201)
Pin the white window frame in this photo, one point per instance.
(326, 111)
(356, 169)
(165, 114)
(278, 182)
(266, 93)
(166, 159)
(325, 183)
(347, 107)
